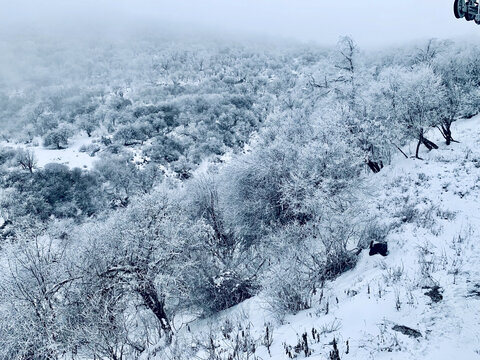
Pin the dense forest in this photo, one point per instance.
(220, 172)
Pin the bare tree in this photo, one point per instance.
(347, 66)
(26, 159)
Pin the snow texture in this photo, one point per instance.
(432, 208)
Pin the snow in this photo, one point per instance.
(432, 208)
(438, 245)
(71, 156)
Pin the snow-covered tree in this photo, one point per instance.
(137, 250)
(224, 268)
(34, 286)
(416, 98)
(58, 138)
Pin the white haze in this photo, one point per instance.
(371, 23)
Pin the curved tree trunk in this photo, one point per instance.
(418, 148)
(446, 132)
(430, 145)
(150, 297)
(374, 166)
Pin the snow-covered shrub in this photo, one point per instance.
(7, 155)
(373, 231)
(224, 268)
(58, 138)
(291, 279)
(302, 168)
(165, 150)
(87, 123)
(210, 289)
(116, 149)
(132, 134)
(90, 149)
(303, 257)
(183, 168)
(407, 213)
(122, 179)
(55, 191)
(337, 263)
(230, 288)
(288, 288)
(144, 250)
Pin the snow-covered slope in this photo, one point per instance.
(431, 209)
(71, 156)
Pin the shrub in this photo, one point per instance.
(219, 290)
(58, 138)
(7, 155)
(373, 231)
(132, 133)
(288, 288)
(90, 149)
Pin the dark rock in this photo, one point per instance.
(435, 294)
(378, 248)
(474, 292)
(352, 293)
(407, 331)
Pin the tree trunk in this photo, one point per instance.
(150, 297)
(418, 147)
(403, 153)
(446, 133)
(374, 166)
(429, 144)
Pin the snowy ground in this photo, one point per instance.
(432, 208)
(71, 156)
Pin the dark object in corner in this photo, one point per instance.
(407, 331)
(379, 248)
(435, 294)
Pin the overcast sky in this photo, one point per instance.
(370, 22)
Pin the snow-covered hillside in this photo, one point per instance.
(223, 194)
(422, 301)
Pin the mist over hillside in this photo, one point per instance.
(174, 188)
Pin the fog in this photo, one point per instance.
(371, 23)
